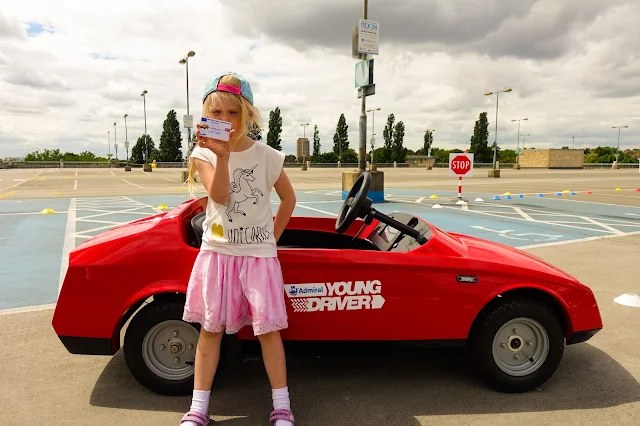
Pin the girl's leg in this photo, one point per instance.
(275, 364)
(274, 360)
(206, 364)
(207, 358)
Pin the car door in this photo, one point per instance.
(355, 295)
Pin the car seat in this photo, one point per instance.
(197, 224)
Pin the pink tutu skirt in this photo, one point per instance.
(228, 292)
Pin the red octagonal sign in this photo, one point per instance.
(460, 164)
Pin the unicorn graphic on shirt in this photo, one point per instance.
(241, 191)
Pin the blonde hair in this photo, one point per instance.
(250, 119)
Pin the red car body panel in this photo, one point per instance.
(359, 295)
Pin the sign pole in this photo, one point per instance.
(363, 114)
(461, 165)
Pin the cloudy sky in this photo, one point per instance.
(70, 69)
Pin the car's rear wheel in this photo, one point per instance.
(518, 345)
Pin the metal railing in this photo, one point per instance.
(178, 165)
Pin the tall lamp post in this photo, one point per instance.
(495, 142)
(523, 136)
(373, 129)
(518, 144)
(618, 147)
(127, 168)
(115, 141)
(304, 131)
(188, 125)
(304, 136)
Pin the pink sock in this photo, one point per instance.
(281, 401)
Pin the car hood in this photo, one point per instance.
(122, 231)
(514, 260)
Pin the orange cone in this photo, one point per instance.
(589, 192)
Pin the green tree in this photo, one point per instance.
(480, 141)
(428, 141)
(341, 136)
(275, 129)
(387, 134)
(144, 147)
(507, 156)
(316, 144)
(170, 139)
(398, 151)
(329, 157)
(349, 156)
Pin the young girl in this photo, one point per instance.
(236, 279)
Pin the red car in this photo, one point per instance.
(366, 276)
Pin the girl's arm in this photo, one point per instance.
(215, 180)
(287, 204)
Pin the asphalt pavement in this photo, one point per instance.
(596, 383)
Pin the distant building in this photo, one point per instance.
(302, 148)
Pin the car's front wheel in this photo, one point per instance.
(518, 345)
(160, 348)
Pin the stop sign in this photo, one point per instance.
(460, 164)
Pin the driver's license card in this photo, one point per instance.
(215, 129)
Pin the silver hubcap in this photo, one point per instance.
(167, 348)
(520, 347)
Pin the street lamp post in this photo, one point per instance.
(518, 144)
(126, 142)
(115, 140)
(304, 136)
(523, 136)
(304, 131)
(574, 142)
(185, 61)
(373, 129)
(495, 143)
(618, 147)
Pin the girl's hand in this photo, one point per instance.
(219, 147)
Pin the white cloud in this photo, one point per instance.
(91, 64)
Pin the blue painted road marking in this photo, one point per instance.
(33, 243)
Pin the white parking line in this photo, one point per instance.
(112, 173)
(605, 226)
(132, 184)
(69, 241)
(27, 309)
(316, 210)
(22, 181)
(581, 240)
(75, 185)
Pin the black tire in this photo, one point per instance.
(482, 341)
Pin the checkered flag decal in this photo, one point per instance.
(299, 305)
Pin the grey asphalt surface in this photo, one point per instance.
(597, 382)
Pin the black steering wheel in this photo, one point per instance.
(354, 205)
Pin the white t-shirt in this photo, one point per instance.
(244, 225)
